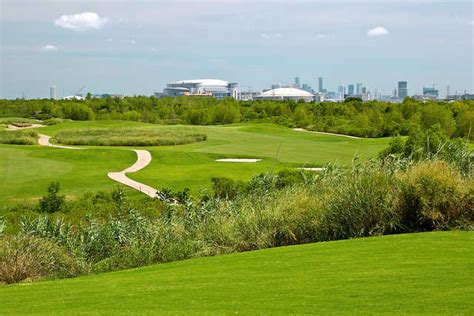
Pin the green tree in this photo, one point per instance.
(52, 202)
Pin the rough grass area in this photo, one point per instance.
(21, 137)
(426, 273)
(126, 137)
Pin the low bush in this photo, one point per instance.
(20, 137)
(434, 196)
(126, 137)
(29, 257)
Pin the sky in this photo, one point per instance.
(136, 47)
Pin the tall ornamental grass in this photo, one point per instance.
(126, 137)
(19, 137)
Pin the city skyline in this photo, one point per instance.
(104, 46)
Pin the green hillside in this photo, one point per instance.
(426, 273)
(28, 170)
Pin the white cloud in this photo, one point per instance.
(270, 35)
(321, 35)
(48, 48)
(81, 21)
(377, 31)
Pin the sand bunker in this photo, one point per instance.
(312, 169)
(239, 160)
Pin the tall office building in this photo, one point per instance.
(350, 89)
(430, 92)
(320, 84)
(52, 92)
(297, 82)
(402, 89)
(359, 88)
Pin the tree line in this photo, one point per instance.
(352, 117)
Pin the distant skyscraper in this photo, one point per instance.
(350, 89)
(364, 89)
(432, 92)
(52, 92)
(359, 88)
(297, 82)
(402, 89)
(320, 84)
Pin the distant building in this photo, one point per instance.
(52, 92)
(363, 96)
(359, 88)
(320, 84)
(307, 87)
(107, 95)
(280, 85)
(402, 89)
(286, 94)
(248, 95)
(297, 82)
(350, 89)
(219, 89)
(430, 92)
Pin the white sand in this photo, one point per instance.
(239, 160)
(312, 169)
(325, 133)
(14, 128)
(143, 160)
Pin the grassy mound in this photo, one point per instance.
(126, 137)
(428, 273)
(20, 137)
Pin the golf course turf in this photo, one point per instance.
(29, 169)
(424, 273)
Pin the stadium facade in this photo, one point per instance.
(216, 88)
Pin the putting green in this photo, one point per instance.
(425, 273)
(27, 170)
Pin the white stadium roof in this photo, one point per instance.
(286, 92)
(205, 82)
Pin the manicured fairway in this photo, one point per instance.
(27, 170)
(426, 273)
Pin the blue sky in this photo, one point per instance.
(136, 47)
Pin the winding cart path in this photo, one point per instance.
(143, 160)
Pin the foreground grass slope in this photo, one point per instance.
(427, 273)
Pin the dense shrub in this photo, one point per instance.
(28, 257)
(434, 196)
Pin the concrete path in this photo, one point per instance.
(325, 133)
(43, 140)
(143, 160)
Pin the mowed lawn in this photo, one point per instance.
(26, 170)
(425, 273)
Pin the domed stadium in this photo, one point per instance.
(286, 94)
